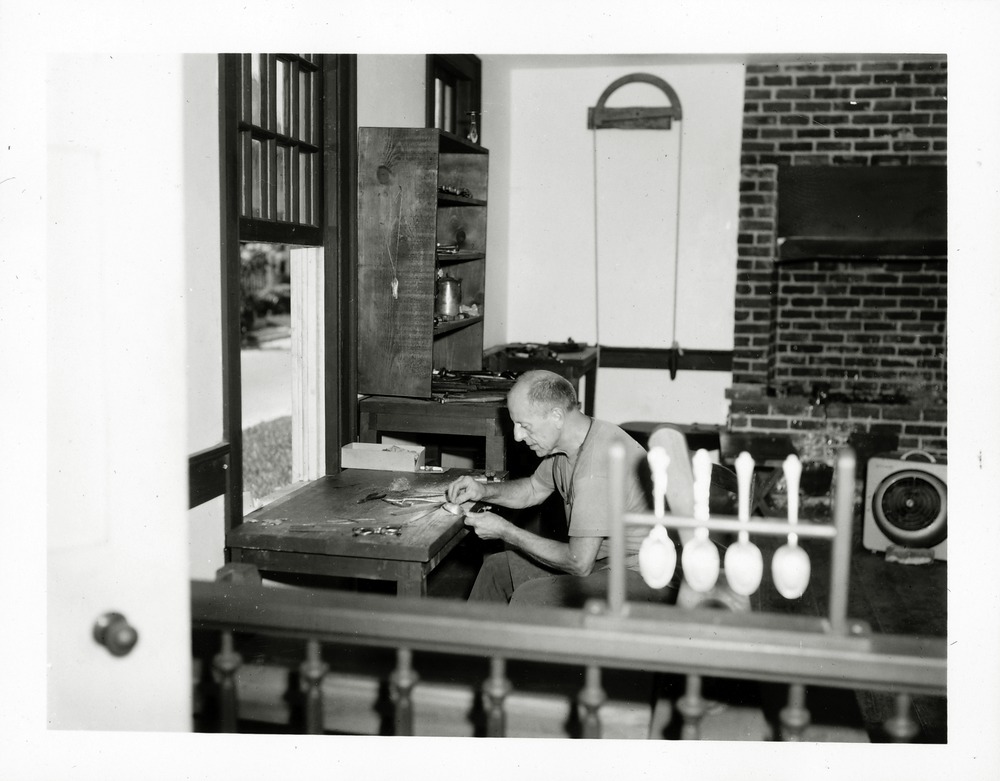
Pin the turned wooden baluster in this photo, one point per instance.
(311, 674)
(401, 684)
(692, 707)
(495, 691)
(592, 697)
(224, 667)
(901, 726)
(794, 716)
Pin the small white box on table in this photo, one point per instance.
(390, 458)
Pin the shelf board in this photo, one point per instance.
(448, 199)
(455, 325)
(459, 257)
(449, 142)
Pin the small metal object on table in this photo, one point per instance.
(321, 529)
(769, 452)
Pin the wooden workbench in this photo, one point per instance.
(312, 530)
(487, 419)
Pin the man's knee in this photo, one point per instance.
(493, 583)
(541, 592)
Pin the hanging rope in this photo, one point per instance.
(675, 350)
(597, 281)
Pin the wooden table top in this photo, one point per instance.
(320, 517)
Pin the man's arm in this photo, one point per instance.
(575, 557)
(516, 494)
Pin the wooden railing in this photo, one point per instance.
(832, 651)
(787, 649)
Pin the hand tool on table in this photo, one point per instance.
(407, 501)
(319, 526)
(364, 531)
(457, 509)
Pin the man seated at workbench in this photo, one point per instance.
(574, 449)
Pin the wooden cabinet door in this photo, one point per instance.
(397, 226)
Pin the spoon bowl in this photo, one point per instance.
(790, 571)
(700, 562)
(744, 566)
(657, 558)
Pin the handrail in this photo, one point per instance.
(650, 637)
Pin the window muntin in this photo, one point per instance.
(279, 138)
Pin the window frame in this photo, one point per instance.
(334, 232)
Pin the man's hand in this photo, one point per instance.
(465, 489)
(487, 525)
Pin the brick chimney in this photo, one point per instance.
(826, 346)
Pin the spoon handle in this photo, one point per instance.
(658, 463)
(702, 465)
(744, 479)
(793, 474)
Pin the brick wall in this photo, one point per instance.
(885, 112)
(869, 330)
(860, 113)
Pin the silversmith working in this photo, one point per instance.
(574, 449)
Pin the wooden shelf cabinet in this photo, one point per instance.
(418, 189)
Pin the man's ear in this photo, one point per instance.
(558, 416)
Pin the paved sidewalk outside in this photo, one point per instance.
(266, 382)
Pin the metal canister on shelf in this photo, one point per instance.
(449, 296)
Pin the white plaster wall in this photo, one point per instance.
(496, 136)
(391, 90)
(548, 240)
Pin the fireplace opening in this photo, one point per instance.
(860, 331)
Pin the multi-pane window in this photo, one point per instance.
(279, 130)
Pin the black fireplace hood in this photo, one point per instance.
(878, 212)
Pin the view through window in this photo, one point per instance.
(266, 368)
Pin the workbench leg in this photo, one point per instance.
(496, 453)
(367, 428)
(411, 587)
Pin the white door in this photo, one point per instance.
(116, 479)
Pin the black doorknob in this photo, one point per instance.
(115, 633)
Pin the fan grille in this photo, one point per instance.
(910, 508)
(911, 504)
